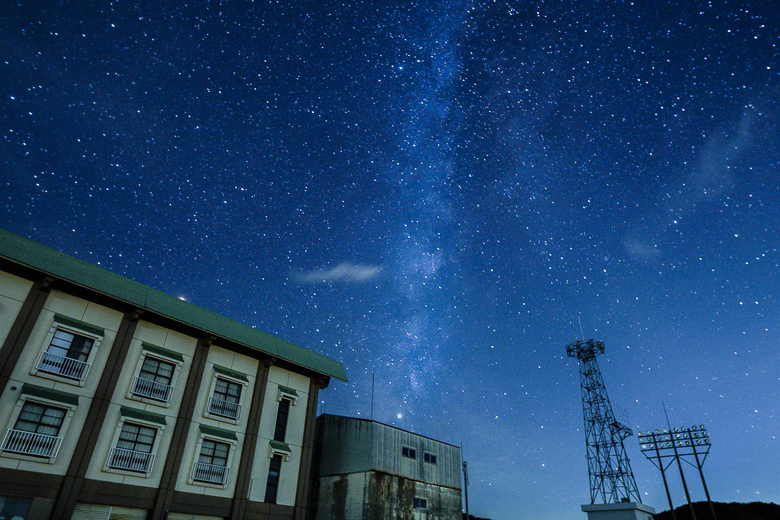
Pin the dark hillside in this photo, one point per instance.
(730, 511)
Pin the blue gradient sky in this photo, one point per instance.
(432, 193)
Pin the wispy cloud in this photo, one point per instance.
(344, 272)
(640, 250)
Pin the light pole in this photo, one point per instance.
(678, 444)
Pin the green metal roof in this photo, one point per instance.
(50, 261)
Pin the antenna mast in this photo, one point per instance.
(465, 465)
(611, 478)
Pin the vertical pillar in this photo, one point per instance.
(663, 476)
(682, 476)
(246, 463)
(307, 449)
(85, 447)
(182, 427)
(21, 329)
(703, 482)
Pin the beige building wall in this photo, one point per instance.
(163, 338)
(42, 292)
(220, 363)
(26, 372)
(279, 381)
(13, 291)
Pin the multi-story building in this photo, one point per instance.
(372, 471)
(120, 401)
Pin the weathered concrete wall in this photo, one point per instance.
(386, 457)
(351, 445)
(342, 497)
(381, 496)
(345, 444)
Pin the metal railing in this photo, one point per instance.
(152, 389)
(210, 473)
(131, 460)
(224, 408)
(29, 443)
(64, 366)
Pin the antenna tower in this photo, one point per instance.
(611, 478)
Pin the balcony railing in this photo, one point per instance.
(131, 460)
(224, 408)
(152, 389)
(29, 443)
(63, 366)
(210, 473)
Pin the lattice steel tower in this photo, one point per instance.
(611, 478)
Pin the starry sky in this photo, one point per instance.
(437, 194)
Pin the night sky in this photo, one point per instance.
(436, 193)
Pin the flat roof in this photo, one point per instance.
(379, 423)
(29, 253)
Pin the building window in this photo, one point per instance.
(133, 450)
(36, 431)
(411, 453)
(154, 380)
(420, 503)
(14, 507)
(430, 458)
(226, 399)
(212, 463)
(280, 431)
(67, 355)
(272, 486)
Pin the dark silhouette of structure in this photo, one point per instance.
(611, 478)
(725, 511)
(665, 446)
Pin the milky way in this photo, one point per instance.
(436, 193)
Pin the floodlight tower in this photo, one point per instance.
(611, 478)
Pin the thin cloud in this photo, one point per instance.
(343, 272)
(640, 250)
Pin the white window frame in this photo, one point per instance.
(283, 393)
(115, 441)
(55, 325)
(71, 409)
(228, 464)
(212, 388)
(275, 451)
(177, 366)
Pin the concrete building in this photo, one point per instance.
(120, 401)
(367, 470)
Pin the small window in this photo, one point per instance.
(272, 485)
(36, 431)
(430, 458)
(67, 355)
(154, 380)
(226, 399)
(420, 503)
(280, 430)
(411, 453)
(212, 463)
(133, 451)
